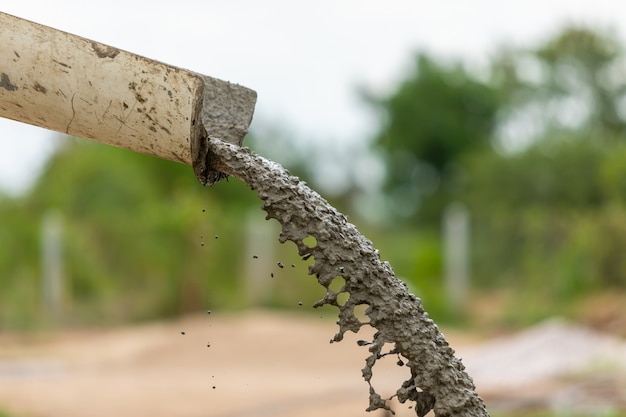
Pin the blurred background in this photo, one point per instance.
(482, 149)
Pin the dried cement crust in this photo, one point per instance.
(436, 379)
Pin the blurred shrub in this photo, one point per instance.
(142, 239)
(563, 175)
(139, 234)
(613, 175)
(439, 113)
(551, 218)
(139, 238)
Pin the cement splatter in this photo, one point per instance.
(437, 379)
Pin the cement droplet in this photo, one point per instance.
(280, 265)
(217, 237)
(300, 303)
(293, 265)
(255, 257)
(183, 333)
(272, 274)
(208, 311)
(307, 256)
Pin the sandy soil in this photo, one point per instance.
(270, 364)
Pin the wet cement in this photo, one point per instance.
(436, 379)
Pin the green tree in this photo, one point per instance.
(437, 114)
(548, 212)
(574, 83)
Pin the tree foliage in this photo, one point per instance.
(549, 215)
(553, 218)
(547, 201)
(572, 86)
(138, 237)
(437, 114)
(574, 83)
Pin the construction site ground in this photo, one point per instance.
(260, 363)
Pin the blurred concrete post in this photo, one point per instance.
(259, 253)
(456, 255)
(52, 264)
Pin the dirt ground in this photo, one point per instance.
(277, 364)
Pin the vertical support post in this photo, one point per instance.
(456, 255)
(52, 264)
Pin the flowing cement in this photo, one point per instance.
(436, 378)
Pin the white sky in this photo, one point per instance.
(304, 59)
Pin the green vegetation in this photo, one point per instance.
(138, 238)
(534, 147)
(433, 118)
(142, 239)
(547, 198)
